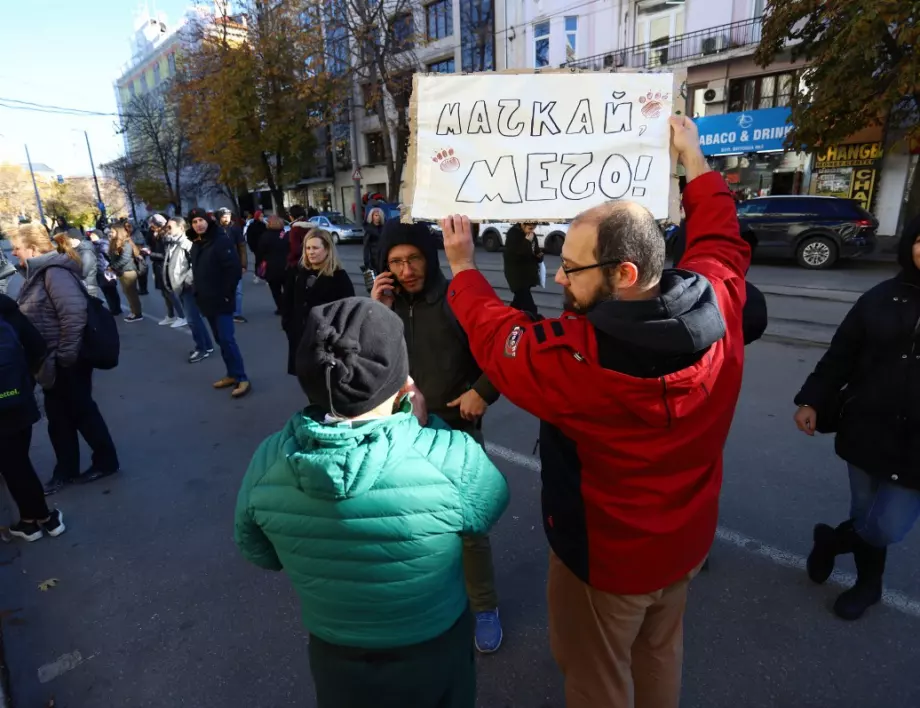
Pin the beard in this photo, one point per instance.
(572, 304)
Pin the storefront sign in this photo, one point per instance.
(540, 147)
(750, 131)
(849, 171)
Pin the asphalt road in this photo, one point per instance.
(155, 608)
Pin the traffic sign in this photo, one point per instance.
(356, 175)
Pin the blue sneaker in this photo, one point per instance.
(488, 631)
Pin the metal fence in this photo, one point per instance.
(673, 50)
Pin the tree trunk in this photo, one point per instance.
(273, 188)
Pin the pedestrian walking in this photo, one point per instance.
(235, 234)
(272, 258)
(179, 283)
(635, 388)
(125, 259)
(300, 227)
(373, 230)
(866, 389)
(253, 236)
(22, 351)
(440, 361)
(318, 279)
(156, 250)
(522, 259)
(55, 302)
(364, 507)
(215, 271)
(139, 239)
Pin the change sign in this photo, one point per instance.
(537, 147)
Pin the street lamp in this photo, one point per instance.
(100, 204)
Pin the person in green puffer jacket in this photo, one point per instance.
(363, 505)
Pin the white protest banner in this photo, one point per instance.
(537, 147)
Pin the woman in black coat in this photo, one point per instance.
(317, 280)
(372, 231)
(866, 388)
(522, 258)
(273, 251)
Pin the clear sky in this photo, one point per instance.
(66, 53)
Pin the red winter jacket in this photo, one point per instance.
(635, 401)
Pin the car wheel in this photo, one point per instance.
(553, 244)
(491, 242)
(816, 253)
(335, 238)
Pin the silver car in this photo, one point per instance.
(336, 224)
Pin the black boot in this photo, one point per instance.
(828, 544)
(870, 567)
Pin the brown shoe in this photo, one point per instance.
(242, 388)
(225, 382)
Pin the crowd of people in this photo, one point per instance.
(378, 498)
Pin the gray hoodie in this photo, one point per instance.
(177, 267)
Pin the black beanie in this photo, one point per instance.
(352, 356)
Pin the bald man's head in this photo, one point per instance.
(627, 233)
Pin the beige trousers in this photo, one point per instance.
(616, 651)
(129, 286)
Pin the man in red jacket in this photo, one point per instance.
(635, 388)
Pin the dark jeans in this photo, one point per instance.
(277, 288)
(19, 474)
(225, 335)
(523, 300)
(439, 673)
(195, 321)
(883, 512)
(109, 290)
(143, 278)
(71, 410)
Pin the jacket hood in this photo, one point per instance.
(909, 270)
(36, 265)
(683, 319)
(395, 233)
(344, 460)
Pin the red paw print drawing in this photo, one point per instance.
(651, 103)
(447, 161)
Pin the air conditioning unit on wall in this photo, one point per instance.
(714, 94)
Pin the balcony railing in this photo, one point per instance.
(673, 50)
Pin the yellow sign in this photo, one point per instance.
(856, 155)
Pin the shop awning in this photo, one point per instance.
(750, 131)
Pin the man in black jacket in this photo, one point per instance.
(22, 350)
(443, 368)
(216, 270)
(522, 258)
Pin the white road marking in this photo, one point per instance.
(61, 665)
(891, 598)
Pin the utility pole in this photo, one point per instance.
(95, 180)
(356, 171)
(38, 199)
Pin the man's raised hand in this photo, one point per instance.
(458, 243)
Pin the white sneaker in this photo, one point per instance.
(180, 322)
(167, 321)
(256, 279)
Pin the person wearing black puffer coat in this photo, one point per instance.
(522, 258)
(866, 389)
(272, 258)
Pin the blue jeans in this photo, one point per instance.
(882, 512)
(238, 312)
(195, 322)
(224, 333)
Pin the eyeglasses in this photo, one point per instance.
(603, 264)
(400, 263)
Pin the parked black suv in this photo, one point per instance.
(815, 231)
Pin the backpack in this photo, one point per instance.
(15, 380)
(101, 345)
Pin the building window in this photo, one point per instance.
(375, 152)
(758, 92)
(402, 32)
(658, 28)
(341, 136)
(156, 74)
(172, 64)
(571, 38)
(445, 66)
(439, 20)
(541, 44)
(477, 35)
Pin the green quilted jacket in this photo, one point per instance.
(366, 521)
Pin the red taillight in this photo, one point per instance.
(864, 223)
